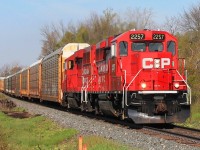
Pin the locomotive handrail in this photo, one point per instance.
(84, 88)
(189, 89)
(129, 86)
(124, 88)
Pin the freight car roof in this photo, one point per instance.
(35, 63)
(58, 51)
(70, 48)
(67, 50)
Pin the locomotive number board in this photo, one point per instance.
(137, 36)
(158, 36)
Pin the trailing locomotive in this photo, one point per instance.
(135, 75)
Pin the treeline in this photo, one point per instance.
(95, 28)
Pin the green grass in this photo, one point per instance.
(2, 96)
(33, 133)
(97, 143)
(194, 120)
(41, 133)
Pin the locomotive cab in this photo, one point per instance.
(154, 86)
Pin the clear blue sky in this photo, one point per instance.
(21, 20)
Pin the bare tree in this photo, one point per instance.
(191, 18)
(5, 70)
(10, 69)
(172, 24)
(102, 26)
(51, 37)
(139, 18)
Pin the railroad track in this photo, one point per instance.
(171, 132)
(179, 134)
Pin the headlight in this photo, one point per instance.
(143, 85)
(176, 85)
(156, 63)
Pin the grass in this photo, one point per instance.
(194, 120)
(2, 96)
(41, 133)
(33, 133)
(97, 143)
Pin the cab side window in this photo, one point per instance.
(171, 47)
(70, 64)
(123, 46)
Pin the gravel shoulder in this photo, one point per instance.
(99, 127)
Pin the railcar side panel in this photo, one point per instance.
(25, 83)
(50, 78)
(34, 82)
(9, 85)
(2, 84)
(6, 85)
(18, 87)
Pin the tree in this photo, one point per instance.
(95, 28)
(99, 27)
(172, 24)
(190, 20)
(51, 37)
(189, 43)
(139, 19)
(7, 69)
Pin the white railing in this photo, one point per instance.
(84, 88)
(189, 91)
(129, 86)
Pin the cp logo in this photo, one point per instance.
(148, 63)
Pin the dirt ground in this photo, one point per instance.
(7, 107)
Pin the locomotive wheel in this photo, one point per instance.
(82, 107)
(96, 107)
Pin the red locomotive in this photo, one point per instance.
(135, 75)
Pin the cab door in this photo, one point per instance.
(116, 65)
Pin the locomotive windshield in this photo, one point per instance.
(155, 47)
(138, 47)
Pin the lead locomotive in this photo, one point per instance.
(134, 75)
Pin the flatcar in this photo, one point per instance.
(135, 75)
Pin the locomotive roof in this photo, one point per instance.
(140, 31)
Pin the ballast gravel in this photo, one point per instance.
(99, 127)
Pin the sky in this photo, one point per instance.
(21, 20)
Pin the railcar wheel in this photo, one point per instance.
(96, 107)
